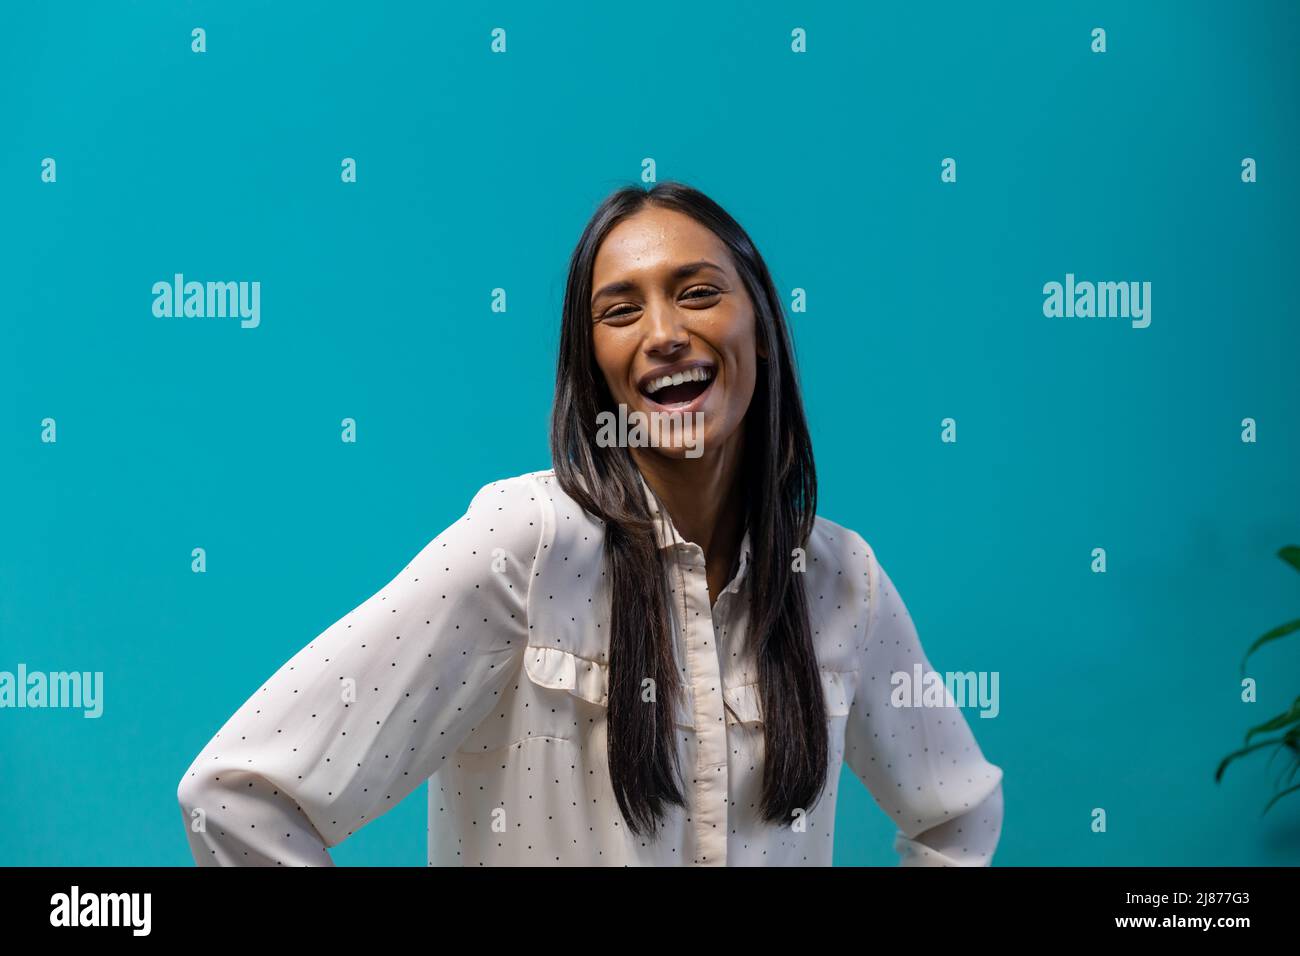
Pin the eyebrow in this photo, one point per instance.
(681, 272)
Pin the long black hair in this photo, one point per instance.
(779, 486)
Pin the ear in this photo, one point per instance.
(761, 348)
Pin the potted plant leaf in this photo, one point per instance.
(1286, 724)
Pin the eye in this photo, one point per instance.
(701, 292)
(627, 311)
(618, 312)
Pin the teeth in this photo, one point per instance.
(696, 374)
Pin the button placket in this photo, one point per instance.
(709, 807)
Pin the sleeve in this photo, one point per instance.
(367, 711)
(921, 763)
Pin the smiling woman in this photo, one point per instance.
(637, 656)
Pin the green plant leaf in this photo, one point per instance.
(1223, 764)
(1279, 796)
(1282, 630)
(1277, 723)
(1291, 555)
(1295, 766)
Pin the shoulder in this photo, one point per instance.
(566, 601)
(572, 541)
(508, 511)
(532, 507)
(838, 553)
(841, 547)
(873, 587)
(567, 524)
(512, 492)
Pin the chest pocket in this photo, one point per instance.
(568, 619)
(562, 691)
(560, 667)
(744, 704)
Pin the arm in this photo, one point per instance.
(922, 765)
(367, 711)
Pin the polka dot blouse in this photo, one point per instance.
(482, 667)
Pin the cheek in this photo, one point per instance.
(742, 348)
(609, 360)
(741, 382)
(742, 392)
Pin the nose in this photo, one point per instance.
(666, 334)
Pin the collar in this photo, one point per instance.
(668, 536)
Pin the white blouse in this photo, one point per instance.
(482, 667)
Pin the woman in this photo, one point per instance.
(653, 653)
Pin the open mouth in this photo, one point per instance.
(678, 390)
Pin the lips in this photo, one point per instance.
(678, 387)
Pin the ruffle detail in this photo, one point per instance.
(559, 669)
(744, 705)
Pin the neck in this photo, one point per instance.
(702, 495)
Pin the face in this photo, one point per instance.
(673, 327)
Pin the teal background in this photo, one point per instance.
(478, 170)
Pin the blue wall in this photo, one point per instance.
(477, 170)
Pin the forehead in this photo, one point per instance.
(656, 238)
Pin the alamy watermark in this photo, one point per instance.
(72, 689)
(129, 910)
(638, 429)
(951, 689)
(1102, 300)
(208, 300)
